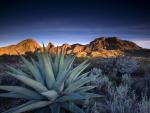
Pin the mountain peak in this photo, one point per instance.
(29, 40)
(50, 45)
(99, 46)
(28, 45)
(107, 38)
(112, 43)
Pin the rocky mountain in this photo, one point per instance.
(112, 43)
(50, 45)
(23, 47)
(100, 47)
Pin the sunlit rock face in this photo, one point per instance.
(66, 46)
(50, 45)
(23, 47)
(112, 43)
(100, 47)
(106, 53)
(81, 54)
(76, 48)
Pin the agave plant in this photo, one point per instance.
(54, 84)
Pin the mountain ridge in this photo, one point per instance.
(28, 45)
(100, 47)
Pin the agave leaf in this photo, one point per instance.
(39, 68)
(91, 95)
(48, 56)
(67, 64)
(39, 57)
(79, 72)
(13, 95)
(85, 88)
(69, 61)
(63, 72)
(33, 106)
(49, 75)
(75, 85)
(59, 84)
(61, 61)
(60, 65)
(40, 65)
(63, 64)
(51, 94)
(55, 108)
(11, 110)
(81, 76)
(18, 71)
(81, 102)
(30, 82)
(22, 91)
(33, 68)
(43, 110)
(60, 88)
(71, 97)
(56, 63)
(72, 107)
(76, 72)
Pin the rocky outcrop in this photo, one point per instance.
(112, 43)
(81, 54)
(23, 47)
(66, 47)
(76, 48)
(100, 47)
(106, 53)
(50, 45)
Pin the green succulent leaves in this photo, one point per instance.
(53, 83)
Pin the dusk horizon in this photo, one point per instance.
(57, 42)
(74, 21)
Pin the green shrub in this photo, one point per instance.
(53, 85)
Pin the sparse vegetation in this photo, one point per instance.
(53, 86)
(122, 98)
(124, 83)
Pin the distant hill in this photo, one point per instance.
(100, 47)
(112, 43)
(23, 47)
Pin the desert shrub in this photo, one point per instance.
(53, 86)
(96, 107)
(4, 77)
(121, 100)
(144, 105)
(127, 80)
(102, 81)
(118, 98)
(142, 87)
(130, 96)
(121, 65)
(145, 65)
(9, 58)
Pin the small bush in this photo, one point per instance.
(144, 105)
(122, 98)
(142, 87)
(121, 65)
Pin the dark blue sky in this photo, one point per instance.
(72, 21)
